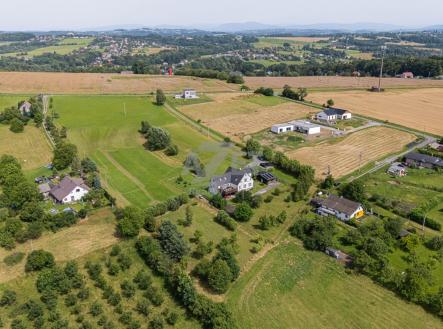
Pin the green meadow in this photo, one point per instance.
(105, 128)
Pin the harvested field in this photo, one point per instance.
(30, 147)
(243, 115)
(338, 82)
(421, 109)
(98, 83)
(343, 157)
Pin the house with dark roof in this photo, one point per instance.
(332, 114)
(397, 169)
(342, 208)
(419, 160)
(69, 190)
(232, 182)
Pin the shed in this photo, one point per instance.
(266, 177)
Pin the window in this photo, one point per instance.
(77, 190)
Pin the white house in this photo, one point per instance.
(187, 94)
(25, 108)
(338, 207)
(333, 114)
(304, 127)
(397, 169)
(69, 190)
(232, 182)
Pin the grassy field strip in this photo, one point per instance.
(127, 174)
(94, 233)
(293, 288)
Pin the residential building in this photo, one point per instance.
(44, 189)
(332, 114)
(397, 169)
(187, 94)
(232, 182)
(419, 160)
(25, 108)
(304, 127)
(69, 190)
(407, 75)
(339, 207)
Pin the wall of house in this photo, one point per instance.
(76, 195)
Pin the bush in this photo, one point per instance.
(96, 309)
(219, 276)
(115, 251)
(171, 150)
(224, 219)
(17, 126)
(160, 97)
(8, 298)
(172, 318)
(264, 91)
(157, 139)
(235, 78)
(38, 260)
(218, 201)
(14, 259)
(243, 212)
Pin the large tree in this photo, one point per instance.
(172, 241)
(64, 155)
(157, 139)
(160, 97)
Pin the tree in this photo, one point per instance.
(17, 126)
(219, 276)
(188, 217)
(171, 150)
(252, 147)
(316, 234)
(88, 166)
(224, 219)
(8, 298)
(130, 222)
(157, 139)
(64, 155)
(243, 212)
(302, 93)
(330, 102)
(144, 127)
(172, 241)
(160, 97)
(38, 260)
(31, 212)
(235, 78)
(328, 183)
(354, 191)
(218, 201)
(394, 226)
(416, 281)
(195, 165)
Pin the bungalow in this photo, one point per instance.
(397, 169)
(25, 108)
(419, 160)
(304, 127)
(69, 190)
(339, 207)
(333, 114)
(187, 94)
(232, 182)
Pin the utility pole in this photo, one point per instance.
(383, 48)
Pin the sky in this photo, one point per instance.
(83, 14)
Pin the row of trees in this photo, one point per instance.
(158, 138)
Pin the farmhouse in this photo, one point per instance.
(397, 169)
(333, 114)
(339, 207)
(187, 94)
(419, 160)
(25, 108)
(232, 182)
(69, 190)
(304, 127)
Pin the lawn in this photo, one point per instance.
(10, 100)
(294, 288)
(30, 147)
(105, 128)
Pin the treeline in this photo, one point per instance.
(16, 36)
(18, 120)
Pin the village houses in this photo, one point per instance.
(338, 207)
(333, 114)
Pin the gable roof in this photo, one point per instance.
(66, 186)
(231, 176)
(424, 158)
(339, 204)
(334, 111)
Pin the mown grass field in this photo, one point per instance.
(106, 129)
(293, 288)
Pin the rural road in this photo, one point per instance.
(45, 111)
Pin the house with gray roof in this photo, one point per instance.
(332, 114)
(25, 108)
(69, 190)
(232, 182)
(342, 208)
(419, 160)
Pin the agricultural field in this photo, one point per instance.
(103, 83)
(346, 155)
(293, 288)
(105, 128)
(30, 147)
(419, 109)
(238, 115)
(334, 82)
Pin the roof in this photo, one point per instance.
(282, 125)
(303, 124)
(339, 204)
(267, 176)
(44, 188)
(334, 111)
(424, 158)
(25, 105)
(66, 186)
(231, 176)
(396, 166)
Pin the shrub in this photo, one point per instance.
(142, 307)
(125, 261)
(171, 150)
(264, 91)
(8, 298)
(218, 201)
(154, 296)
(224, 219)
(143, 280)
(243, 212)
(219, 276)
(172, 318)
(38, 260)
(14, 259)
(157, 139)
(17, 126)
(160, 97)
(96, 309)
(115, 251)
(128, 289)
(171, 241)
